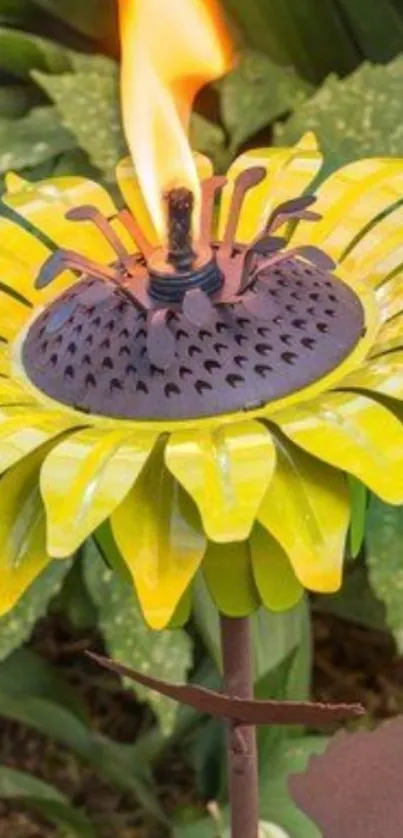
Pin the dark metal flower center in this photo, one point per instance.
(196, 328)
(89, 348)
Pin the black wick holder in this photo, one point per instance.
(182, 266)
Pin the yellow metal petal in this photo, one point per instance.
(12, 393)
(85, 478)
(383, 375)
(348, 200)
(275, 578)
(289, 173)
(13, 316)
(21, 256)
(389, 337)
(45, 204)
(14, 182)
(158, 531)
(23, 430)
(353, 433)
(226, 472)
(228, 573)
(307, 510)
(133, 196)
(5, 363)
(379, 252)
(22, 530)
(389, 296)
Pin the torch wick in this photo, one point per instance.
(180, 205)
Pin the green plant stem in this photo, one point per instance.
(242, 747)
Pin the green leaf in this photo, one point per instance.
(309, 35)
(20, 53)
(358, 503)
(355, 117)
(378, 28)
(266, 830)
(32, 140)
(15, 100)
(285, 631)
(299, 678)
(95, 18)
(275, 636)
(49, 718)
(385, 562)
(209, 138)
(205, 751)
(45, 799)
(37, 703)
(75, 601)
(16, 627)
(165, 654)
(355, 602)
(15, 11)
(24, 673)
(270, 830)
(206, 618)
(255, 94)
(187, 826)
(88, 103)
(74, 162)
(276, 805)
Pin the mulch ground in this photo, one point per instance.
(351, 663)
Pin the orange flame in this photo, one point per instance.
(170, 49)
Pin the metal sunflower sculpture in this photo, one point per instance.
(215, 427)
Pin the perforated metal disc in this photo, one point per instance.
(88, 349)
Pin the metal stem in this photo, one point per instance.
(242, 747)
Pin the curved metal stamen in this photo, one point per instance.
(129, 222)
(296, 208)
(90, 213)
(243, 183)
(64, 260)
(210, 189)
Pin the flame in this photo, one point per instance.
(170, 49)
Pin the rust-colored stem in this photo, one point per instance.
(242, 747)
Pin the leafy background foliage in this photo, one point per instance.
(331, 66)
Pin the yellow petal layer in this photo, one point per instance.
(289, 173)
(228, 573)
(383, 375)
(45, 204)
(85, 478)
(389, 337)
(390, 296)
(21, 256)
(353, 433)
(306, 509)
(12, 393)
(13, 316)
(158, 532)
(349, 199)
(5, 364)
(22, 530)
(275, 579)
(23, 430)
(379, 252)
(226, 472)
